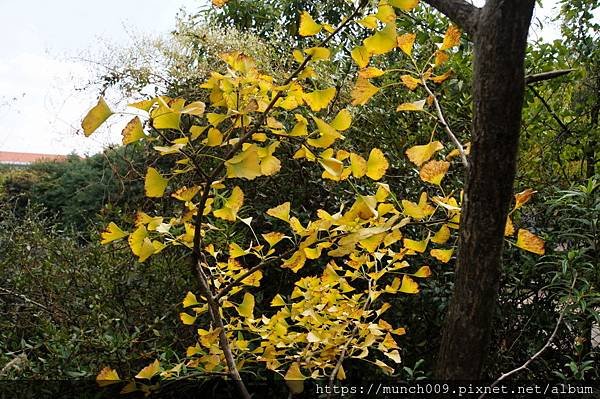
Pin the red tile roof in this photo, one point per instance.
(24, 158)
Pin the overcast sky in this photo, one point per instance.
(41, 68)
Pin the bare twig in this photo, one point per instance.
(444, 124)
(26, 299)
(564, 127)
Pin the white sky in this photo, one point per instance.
(40, 66)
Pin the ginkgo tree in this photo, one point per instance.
(352, 257)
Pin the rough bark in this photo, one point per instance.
(500, 39)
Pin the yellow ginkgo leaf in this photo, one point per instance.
(409, 286)
(295, 379)
(154, 183)
(219, 3)
(523, 197)
(451, 38)
(215, 119)
(187, 319)
(140, 244)
(168, 113)
(112, 233)
(509, 228)
(442, 235)
(361, 56)
(269, 164)
(195, 108)
(244, 165)
(186, 194)
(414, 106)
(281, 212)
(404, 5)
(420, 210)
(440, 58)
(358, 165)
(231, 206)
(455, 152)
(417, 246)
(377, 164)
(133, 131)
(342, 120)
(149, 371)
(278, 301)
(273, 238)
(369, 22)
(246, 308)
(441, 78)
(308, 26)
(319, 99)
(385, 13)
(318, 53)
(370, 72)
(443, 255)
(304, 152)
(420, 154)
(301, 126)
(434, 171)
(410, 81)
(196, 131)
(394, 355)
(143, 105)
(406, 42)
(423, 272)
(328, 134)
(332, 166)
(363, 90)
(190, 300)
(107, 376)
(295, 262)
(530, 242)
(96, 117)
(214, 137)
(383, 41)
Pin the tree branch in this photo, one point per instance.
(444, 124)
(565, 128)
(215, 313)
(539, 77)
(460, 12)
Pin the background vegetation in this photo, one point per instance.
(68, 306)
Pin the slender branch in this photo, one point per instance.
(459, 11)
(538, 353)
(225, 290)
(26, 299)
(444, 124)
(539, 77)
(223, 341)
(564, 127)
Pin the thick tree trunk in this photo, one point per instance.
(500, 38)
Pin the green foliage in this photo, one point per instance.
(79, 192)
(69, 307)
(566, 279)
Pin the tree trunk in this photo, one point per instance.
(499, 31)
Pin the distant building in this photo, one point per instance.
(27, 158)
